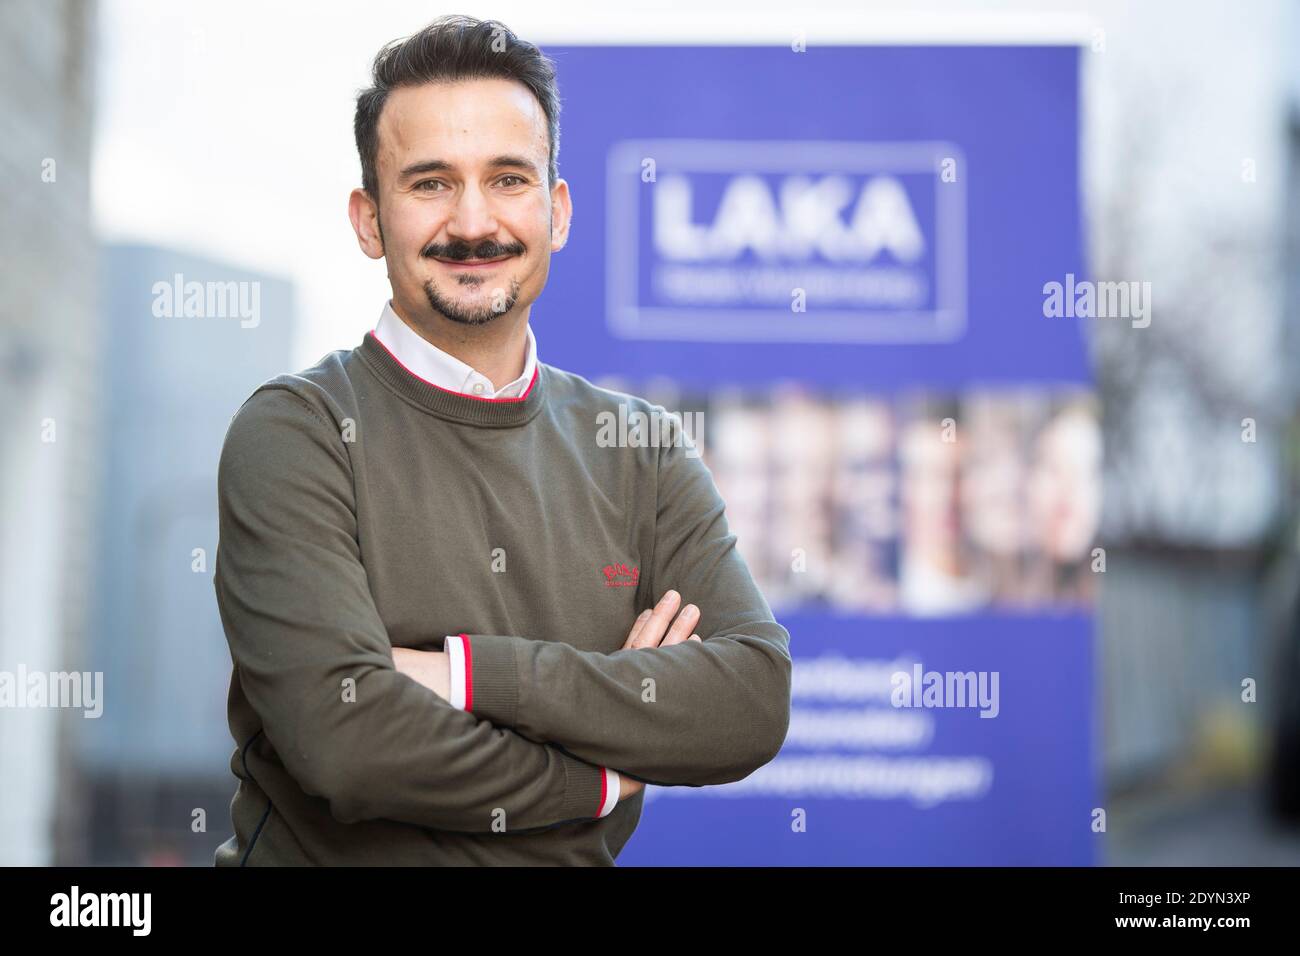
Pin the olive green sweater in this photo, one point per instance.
(361, 509)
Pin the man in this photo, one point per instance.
(437, 586)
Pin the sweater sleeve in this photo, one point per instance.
(695, 713)
(315, 662)
(461, 697)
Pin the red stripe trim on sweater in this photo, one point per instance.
(477, 398)
(469, 673)
(604, 786)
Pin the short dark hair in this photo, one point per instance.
(453, 48)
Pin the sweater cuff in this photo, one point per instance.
(586, 789)
(492, 678)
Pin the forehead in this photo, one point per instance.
(461, 122)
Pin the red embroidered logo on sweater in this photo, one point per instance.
(620, 576)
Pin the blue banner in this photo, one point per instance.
(839, 257)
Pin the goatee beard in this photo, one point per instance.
(473, 316)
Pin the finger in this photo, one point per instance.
(652, 631)
(636, 627)
(695, 637)
(682, 627)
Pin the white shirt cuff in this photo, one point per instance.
(456, 658)
(611, 792)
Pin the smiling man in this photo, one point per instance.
(463, 631)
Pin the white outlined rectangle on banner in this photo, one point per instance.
(628, 318)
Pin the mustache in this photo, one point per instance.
(461, 250)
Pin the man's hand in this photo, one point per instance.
(430, 668)
(648, 630)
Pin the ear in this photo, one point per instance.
(561, 214)
(365, 223)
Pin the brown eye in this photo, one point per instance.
(519, 178)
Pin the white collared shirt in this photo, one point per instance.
(426, 361)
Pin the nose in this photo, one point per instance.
(472, 218)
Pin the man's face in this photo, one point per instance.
(468, 219)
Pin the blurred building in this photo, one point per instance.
(51, 391)
(1187, 166)
(189, 340)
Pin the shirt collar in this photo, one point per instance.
(442, 369)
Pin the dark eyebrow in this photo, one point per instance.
(504, 161)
